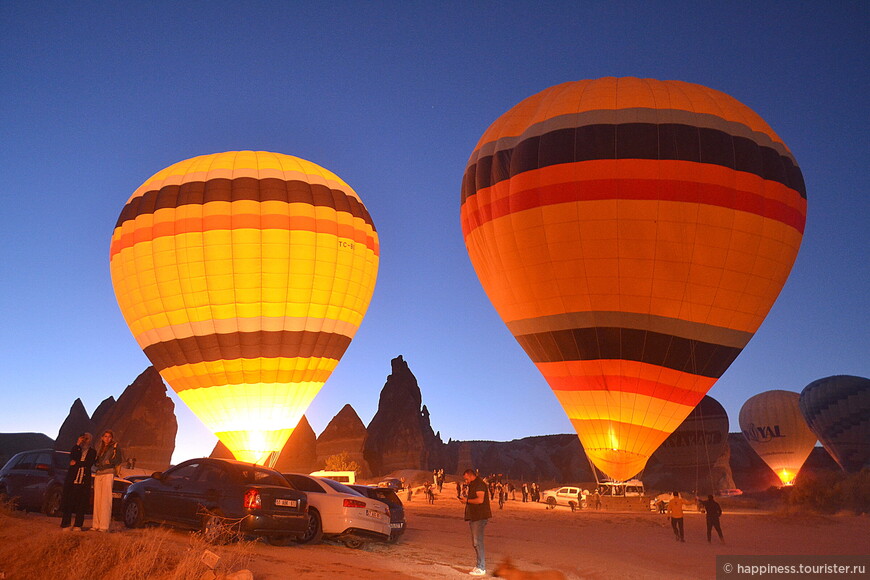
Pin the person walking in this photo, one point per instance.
(675, 508)
(109, 457)
(77, 485)
(477, 514)
(713, 512)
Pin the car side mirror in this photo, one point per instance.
(158, 475)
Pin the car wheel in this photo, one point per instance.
(214, 528)
(314, 532)
(354, 543)
(53, 498)
(134, 513)
(551, 501)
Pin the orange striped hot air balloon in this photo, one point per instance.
(244, 276)
(632, 234)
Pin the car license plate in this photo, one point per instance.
(398, 525)
(286, 502)
(373, 514)
(117, 494)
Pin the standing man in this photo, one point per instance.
(477, 513)
(714, 512)
(675, 508)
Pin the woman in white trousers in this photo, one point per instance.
(108, 458)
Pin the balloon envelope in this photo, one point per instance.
(775, 429)
(244, 276)
(633, 235)
(837, 409)
(699, 440)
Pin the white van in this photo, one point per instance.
(345, 477)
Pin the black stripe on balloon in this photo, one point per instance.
(667, 141)
(664, 350)
(238, 345)
(243, 189)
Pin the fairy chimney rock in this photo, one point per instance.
(300, 452)
(400, 435)
(76, 423)
(143, 420)
(346, 433)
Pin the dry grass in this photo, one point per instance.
(28, 550)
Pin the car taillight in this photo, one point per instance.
(354, 503)
(252, 499)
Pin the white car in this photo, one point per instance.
(339, 512)
(572, 497)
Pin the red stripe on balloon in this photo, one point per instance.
(632, 189)
(633, 385)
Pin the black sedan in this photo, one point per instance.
(391, 498)
(219, 496)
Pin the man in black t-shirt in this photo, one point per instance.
(713, 511)
(477, 514)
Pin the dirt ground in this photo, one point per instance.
(583, 544)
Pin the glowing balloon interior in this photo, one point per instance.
(774, 427)
(244, 276)
(632, 234)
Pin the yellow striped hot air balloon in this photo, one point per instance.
(633, 235)
(244, 276)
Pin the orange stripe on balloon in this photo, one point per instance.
(240, 221)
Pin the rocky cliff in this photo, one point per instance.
(544, 458)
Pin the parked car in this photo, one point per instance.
(205, 493)
(34, 481)
(569, 496)
(391, 498)
(392, 483)
(337, 511)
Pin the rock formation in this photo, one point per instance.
(300, 452)
(76, 423)
(400, 435)
(143, 420)
(544, 458)
(346, 433)
(102, 410)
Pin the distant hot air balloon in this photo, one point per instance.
(633, 235)
(837, 409)
(244, 276)
(775, 429)
(699, 440)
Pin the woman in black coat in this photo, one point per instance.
(77, 486)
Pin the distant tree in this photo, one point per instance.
(341, 462)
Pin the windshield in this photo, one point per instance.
(339, 487)
(264, 476)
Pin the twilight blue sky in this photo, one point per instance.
(392, 96)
